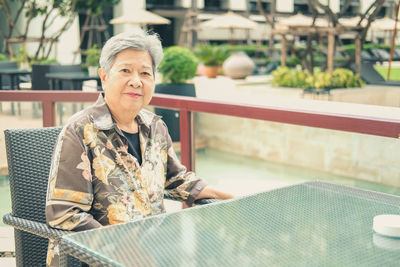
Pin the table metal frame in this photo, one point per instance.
(14, 75)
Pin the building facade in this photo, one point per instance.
(175, 11)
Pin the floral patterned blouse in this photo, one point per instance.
(94, 181)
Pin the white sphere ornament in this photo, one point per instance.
(238, 66)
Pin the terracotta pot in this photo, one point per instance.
(212, 71)
(238, 66)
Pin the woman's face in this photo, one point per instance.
(129, 85)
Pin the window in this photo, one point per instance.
(265, 6)
(213, 4)
(301, 8)
(160, 3)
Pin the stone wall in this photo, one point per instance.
(354, 155)
(370, 95)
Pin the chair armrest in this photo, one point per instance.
(170, 197)
(36, 228)
(202, 201)
(205, 201)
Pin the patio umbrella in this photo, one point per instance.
(141, 17)
(230, 21)
(352, 22)
(384, 24)
(299, 20)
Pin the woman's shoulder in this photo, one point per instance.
(152, 121)
(81, 118)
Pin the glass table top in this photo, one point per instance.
(310, 224)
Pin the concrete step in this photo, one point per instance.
(7, 262)
(7, 240)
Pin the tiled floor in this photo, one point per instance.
(6, 246)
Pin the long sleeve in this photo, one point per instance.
(70, 193)
(180, 183)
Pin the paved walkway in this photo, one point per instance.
(6, 247)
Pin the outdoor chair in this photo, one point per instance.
(39, 71)
(5, 80)
(29, 153)
(371, 76)
(397, 53)
(366, 56)
(382, 54)
(271, 67)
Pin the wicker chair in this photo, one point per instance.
(29, 153)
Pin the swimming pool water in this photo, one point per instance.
(244, 175)
(5, 197)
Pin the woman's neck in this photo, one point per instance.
(126, 121)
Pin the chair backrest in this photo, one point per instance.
(29, 153)
(5, 81)
(66, 85)
(39, 80)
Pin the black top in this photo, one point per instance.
(134, 145)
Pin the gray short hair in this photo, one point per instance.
(137, 39)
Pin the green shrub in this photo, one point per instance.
(340, 78)
(93, 56)
(178, 65)
(3, 57)
(22, 56)
(250, 50)
(293, 61)
(44, 61)
(322, 80)
(211, 55)
(344, 78)
(284, 76)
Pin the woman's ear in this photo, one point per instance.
(103, 75)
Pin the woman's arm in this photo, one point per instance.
(69, 193)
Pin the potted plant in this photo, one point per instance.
(22, 58)
(178, 65)
(92, 60)
(212, 56)
(3, 57)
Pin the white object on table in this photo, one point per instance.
(387, 225)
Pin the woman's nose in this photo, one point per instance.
(135, 81)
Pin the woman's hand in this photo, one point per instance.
(209, 192)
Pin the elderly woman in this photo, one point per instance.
(113, 160)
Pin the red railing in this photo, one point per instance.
(328, 120)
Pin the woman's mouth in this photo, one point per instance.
(134, 95)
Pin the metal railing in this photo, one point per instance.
(187, 105)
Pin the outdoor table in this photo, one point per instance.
(14, 75)
(309, 224)
(76, 78)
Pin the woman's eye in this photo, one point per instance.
(125, 70)
(146, 73)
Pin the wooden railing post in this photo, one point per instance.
(49, 113)
(187, 137)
